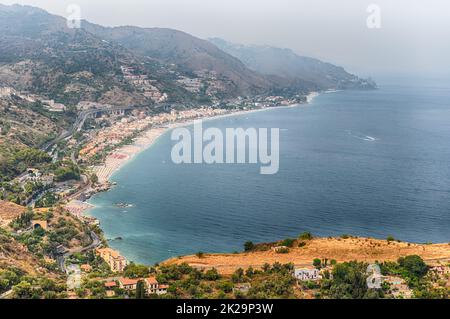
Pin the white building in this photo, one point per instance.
(307, 274)
(6, 91)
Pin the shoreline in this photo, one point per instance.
(124, 155)
(366, 249)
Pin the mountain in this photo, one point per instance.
(190, 54)
(40, 54)
(296, 70)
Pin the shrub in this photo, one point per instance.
(248, 246)
(317, 263)
(200, 254)
(211, 275)
(282, 250)
(348, 281)
(390, 238)
(238, 275)
(289, 242)
(136, 271)
(414, 265)
(225, 286)
(305, 236)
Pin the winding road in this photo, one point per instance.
(61, 258)
(80, 120)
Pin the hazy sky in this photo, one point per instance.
(414, 37)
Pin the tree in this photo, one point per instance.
(317, 263)
(225, 286)
(211, 275)
(200, 254)
(238, 275)
(348, 281)
(250, 272)
(248, 246)
(414, 265)
(140, 290)
(136, 271)
(94, 178)
(23, 290)
(306, 236)
(23, 220)
(288, 242)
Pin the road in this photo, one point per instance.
(6, 295)
(61, 258)
(79, 122)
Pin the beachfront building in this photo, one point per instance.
(307, 274)
(116, 262)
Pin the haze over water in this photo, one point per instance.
(368, 163)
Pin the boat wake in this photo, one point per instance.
(362, 137)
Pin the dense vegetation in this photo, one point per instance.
(17, 162)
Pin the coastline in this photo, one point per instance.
(122, 156)
(342, 249)
(146, 139)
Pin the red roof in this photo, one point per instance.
(128, 281)
(163, 286)
(151, 281)
(110, 284)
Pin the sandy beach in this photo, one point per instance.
(119, 157)
(115, 160)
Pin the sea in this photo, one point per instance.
(370, 163)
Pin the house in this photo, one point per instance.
(116, 262)
(307, 274)
(86, 268)
(53, 107)
(128, 283)
(151, 284)
(279, 249)
(109, 286)
(162, 289)
(398, 287)
(153, 287)
(440, 270)
(242, 288)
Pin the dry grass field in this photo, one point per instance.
(9, 211)
(340, 249)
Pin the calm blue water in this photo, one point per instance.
(369, 163)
